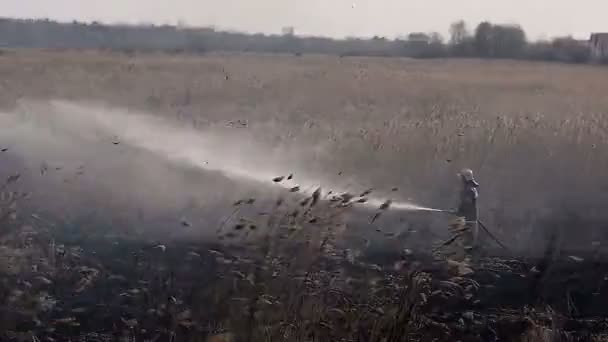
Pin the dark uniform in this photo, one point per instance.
(468, 210)
(465, 228)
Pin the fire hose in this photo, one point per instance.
(483, 227)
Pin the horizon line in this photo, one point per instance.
(214, 28)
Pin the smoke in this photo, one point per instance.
(130, 158)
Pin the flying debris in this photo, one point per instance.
(194, 255)
(366, 192)
(65, 320)
(575, 258)
(43, 168)
(216, 253)
(315, 197)
(278, 179)
(346, 197)
(386, 205)
(13, 178)
(43, 280)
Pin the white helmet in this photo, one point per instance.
(467, 174)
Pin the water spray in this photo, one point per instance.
(212, 150)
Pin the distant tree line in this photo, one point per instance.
(509, 41)
(487, 40)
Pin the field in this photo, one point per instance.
(534, 133)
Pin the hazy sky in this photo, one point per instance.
(338, 18)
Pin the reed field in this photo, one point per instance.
(534, 133)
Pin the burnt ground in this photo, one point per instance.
(299, 277)
(65, 286)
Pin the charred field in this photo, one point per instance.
(140, 198)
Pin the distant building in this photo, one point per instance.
(599, 46)
(288, 31)
(419, 37)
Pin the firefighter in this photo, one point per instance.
(465, 227)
